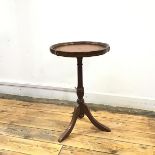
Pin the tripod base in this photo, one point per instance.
(77, 114)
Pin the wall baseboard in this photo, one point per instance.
(69, 94)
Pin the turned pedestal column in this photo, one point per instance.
(80, 50)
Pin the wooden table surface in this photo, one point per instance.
(79, 49)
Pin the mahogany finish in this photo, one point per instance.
(80, 50)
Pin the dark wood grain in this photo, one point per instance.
(79, 49)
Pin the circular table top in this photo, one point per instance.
(79, 49)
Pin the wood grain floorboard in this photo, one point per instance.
(67, 150)
(33, 128)
(52, 135)
(7, 152)
(60, 109)
(80, 141)
(57, 121)
(28, 146)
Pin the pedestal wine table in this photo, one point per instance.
(79, 50)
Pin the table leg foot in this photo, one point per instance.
(94, 121)
(69, 129)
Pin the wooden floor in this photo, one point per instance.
(33, 129)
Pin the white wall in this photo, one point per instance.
(29, 27)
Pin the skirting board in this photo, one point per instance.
(69, 94)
